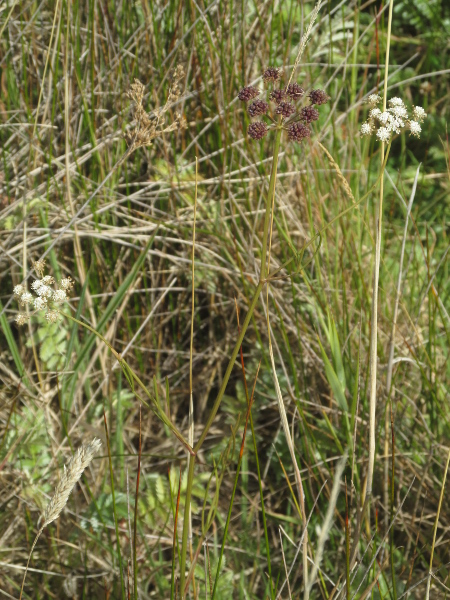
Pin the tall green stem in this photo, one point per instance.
(374, 319)
(215, 408)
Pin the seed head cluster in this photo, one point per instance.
(72, 473)
(281, 100)
(47, 298)
(148, 126)
(393, 120)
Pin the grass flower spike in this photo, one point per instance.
(71, 475)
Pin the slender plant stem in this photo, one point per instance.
(441, 497)
(376, 277)
(113, 496)
(138, 476)
(236, 479)
(215, 408)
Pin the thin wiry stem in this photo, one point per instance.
(376, 277)
(441, 497)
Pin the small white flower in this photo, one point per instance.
(384, 117)
(26, 298)
(396, 102)
(419, 113)
(40, 303)
(396, 125)
(44, 291)
(374, 113)
(366, 129)
(66, 283)
(21, 319)
(399, 111)
(52, 316)
(36, 285)
(48, 280)
(374, 99)
(415, 128)
(18, 290)
(59, 296)
(383, 134)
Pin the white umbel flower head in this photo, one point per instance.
(396, 125)
(36, 285)
(415, 128)
(52, 316)
(374, 113)
(40, 303)
(48, 280)
(44, 291)
(419, 114)
(384, 134)
(72, 473)
(366, 129)
(26, 298)
(399, 112)
(374, 99)
(59, 296)
(66, 283)
(396, 102)
(384, 117)
(18, 290)
(21, 319)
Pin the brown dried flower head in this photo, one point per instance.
(257, 130)
(298, 131)
(248, 93)
(277, 96)
(309, 114)
(147, 127)
(258, 108)
(286, 109)
(272, 74)
(294, 91)
(318, 97)
(286, 114)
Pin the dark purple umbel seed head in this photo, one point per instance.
(294, 91)
(286, 109)
(309, 114)
(248, 93)
(257, 108)
(278, 96)
(272, 74)
(257, 130)
(298, 131)
(318, 97)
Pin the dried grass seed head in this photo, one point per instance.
(71, 475)
(146, 126)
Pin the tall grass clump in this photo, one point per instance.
(224, 252)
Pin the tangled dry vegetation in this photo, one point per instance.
(103, 184)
